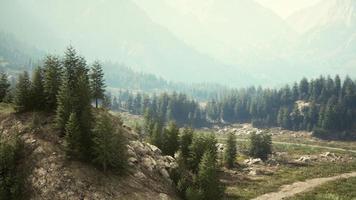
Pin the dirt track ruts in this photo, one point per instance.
(299, 187)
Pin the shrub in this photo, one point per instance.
(12, 176)
(260, 146)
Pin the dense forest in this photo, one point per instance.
(324, 105)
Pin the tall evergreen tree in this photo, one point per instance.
(208, 180)
(66, 96)
(72, 137)
(37, 89)
(97, 82)
(156, 137)
(170, 139)
(109, 147)
(52, 81)
(74, 97)
(23, 99)
(200, 144)
(4, 86)
(230, 150)
(185, 141)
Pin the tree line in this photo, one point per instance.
(324, 105)
(161, 109)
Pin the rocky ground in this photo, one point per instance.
(247, 129)
(52, 176)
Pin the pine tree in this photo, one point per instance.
(64, 108)
(37, 89)
(23, 93)
(83, 111)
(156, 138)
(303, 89)
(4, 86)
(185, 141)
(137, 103)
(337, 81)
(109, 146)
(230, 151)
(97, 82)
(170, 139)
(149, 122)
(295, 92)
(52, 81)
(207, 179)
(75, 97)
(72, 137)
(66, 97)
(200, 144)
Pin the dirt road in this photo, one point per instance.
(299, 187)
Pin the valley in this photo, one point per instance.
(177, 100)
(299, 165)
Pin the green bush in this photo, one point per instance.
(260, 146)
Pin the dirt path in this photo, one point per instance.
(299, 187)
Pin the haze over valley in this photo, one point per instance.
(177, 99)
(235, 43)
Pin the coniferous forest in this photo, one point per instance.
(325, 105)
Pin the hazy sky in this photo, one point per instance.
(286, 7)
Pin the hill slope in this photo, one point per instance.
(52, 176)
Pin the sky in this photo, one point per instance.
(285, 8)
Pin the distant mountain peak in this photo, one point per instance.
(340, 12)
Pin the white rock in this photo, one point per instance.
(149, 163)
(252, 161)
(163, 196)
(155, 149)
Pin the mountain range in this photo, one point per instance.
(233, 42)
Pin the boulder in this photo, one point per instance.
(164, 173)
(149, 163)
(155, 149)
(132, 161)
